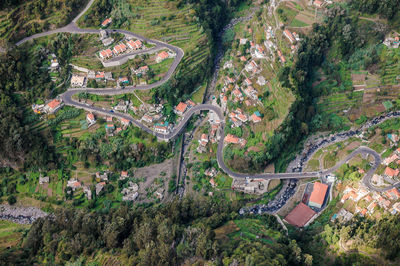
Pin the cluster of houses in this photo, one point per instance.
(122, 47)
(238, 117)
(110, 127)
(166, 127)
(50, 107)
(213, 136)
(247, 93)
(129, 193)
(80, 80)
(390, 175)
(372, 200)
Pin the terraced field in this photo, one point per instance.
(11, 234)
(390, 73)
(339, 102)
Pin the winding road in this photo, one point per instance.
(67, 99)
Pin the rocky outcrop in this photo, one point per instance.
(21, 215)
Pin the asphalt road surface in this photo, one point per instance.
(67, 99)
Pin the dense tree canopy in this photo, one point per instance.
(174, 233)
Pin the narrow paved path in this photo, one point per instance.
(67, 99)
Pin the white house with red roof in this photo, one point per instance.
(142, 70)
(125, 122)
(289, 35)
(74, 184)
(53, 106)
(119, 48)
(389, 172)
(106, 22)
(202, 143)
(393, 194)
(251, 93)
(237, 94)
(256, 117)
(318, 3)
(90, 119)
(134, 45)
(251, 67)
(147, 119)
(248, 82)
(181, 108)
(105, 54)
(162, 56)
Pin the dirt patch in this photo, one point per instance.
(273, 183)
(358, 78)
(151, 173)
(270, 168)
(222, 232)
(254, 148)
(369, 97)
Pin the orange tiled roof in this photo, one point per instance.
(319, 192)
(181, 107)
(231, 139)
(163, 55)
(391, 172)
(54, 103)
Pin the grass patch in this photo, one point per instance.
(11, 233)
(298, 23)
(198, 95)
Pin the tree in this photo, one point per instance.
(11, 200)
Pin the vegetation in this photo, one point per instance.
(19, 19)
(19, 146)
(169, 234)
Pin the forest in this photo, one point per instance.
(19, 147)
(189, 231)
(26, 18)
(170, 234)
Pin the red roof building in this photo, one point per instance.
(317, 197)
(393, 194)
(391, 172)
(162, 56)
(54, 104)
(231, 139)
(181, 108)
(300, 215)
(106, 22)
(255, 118)
(125, 121)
